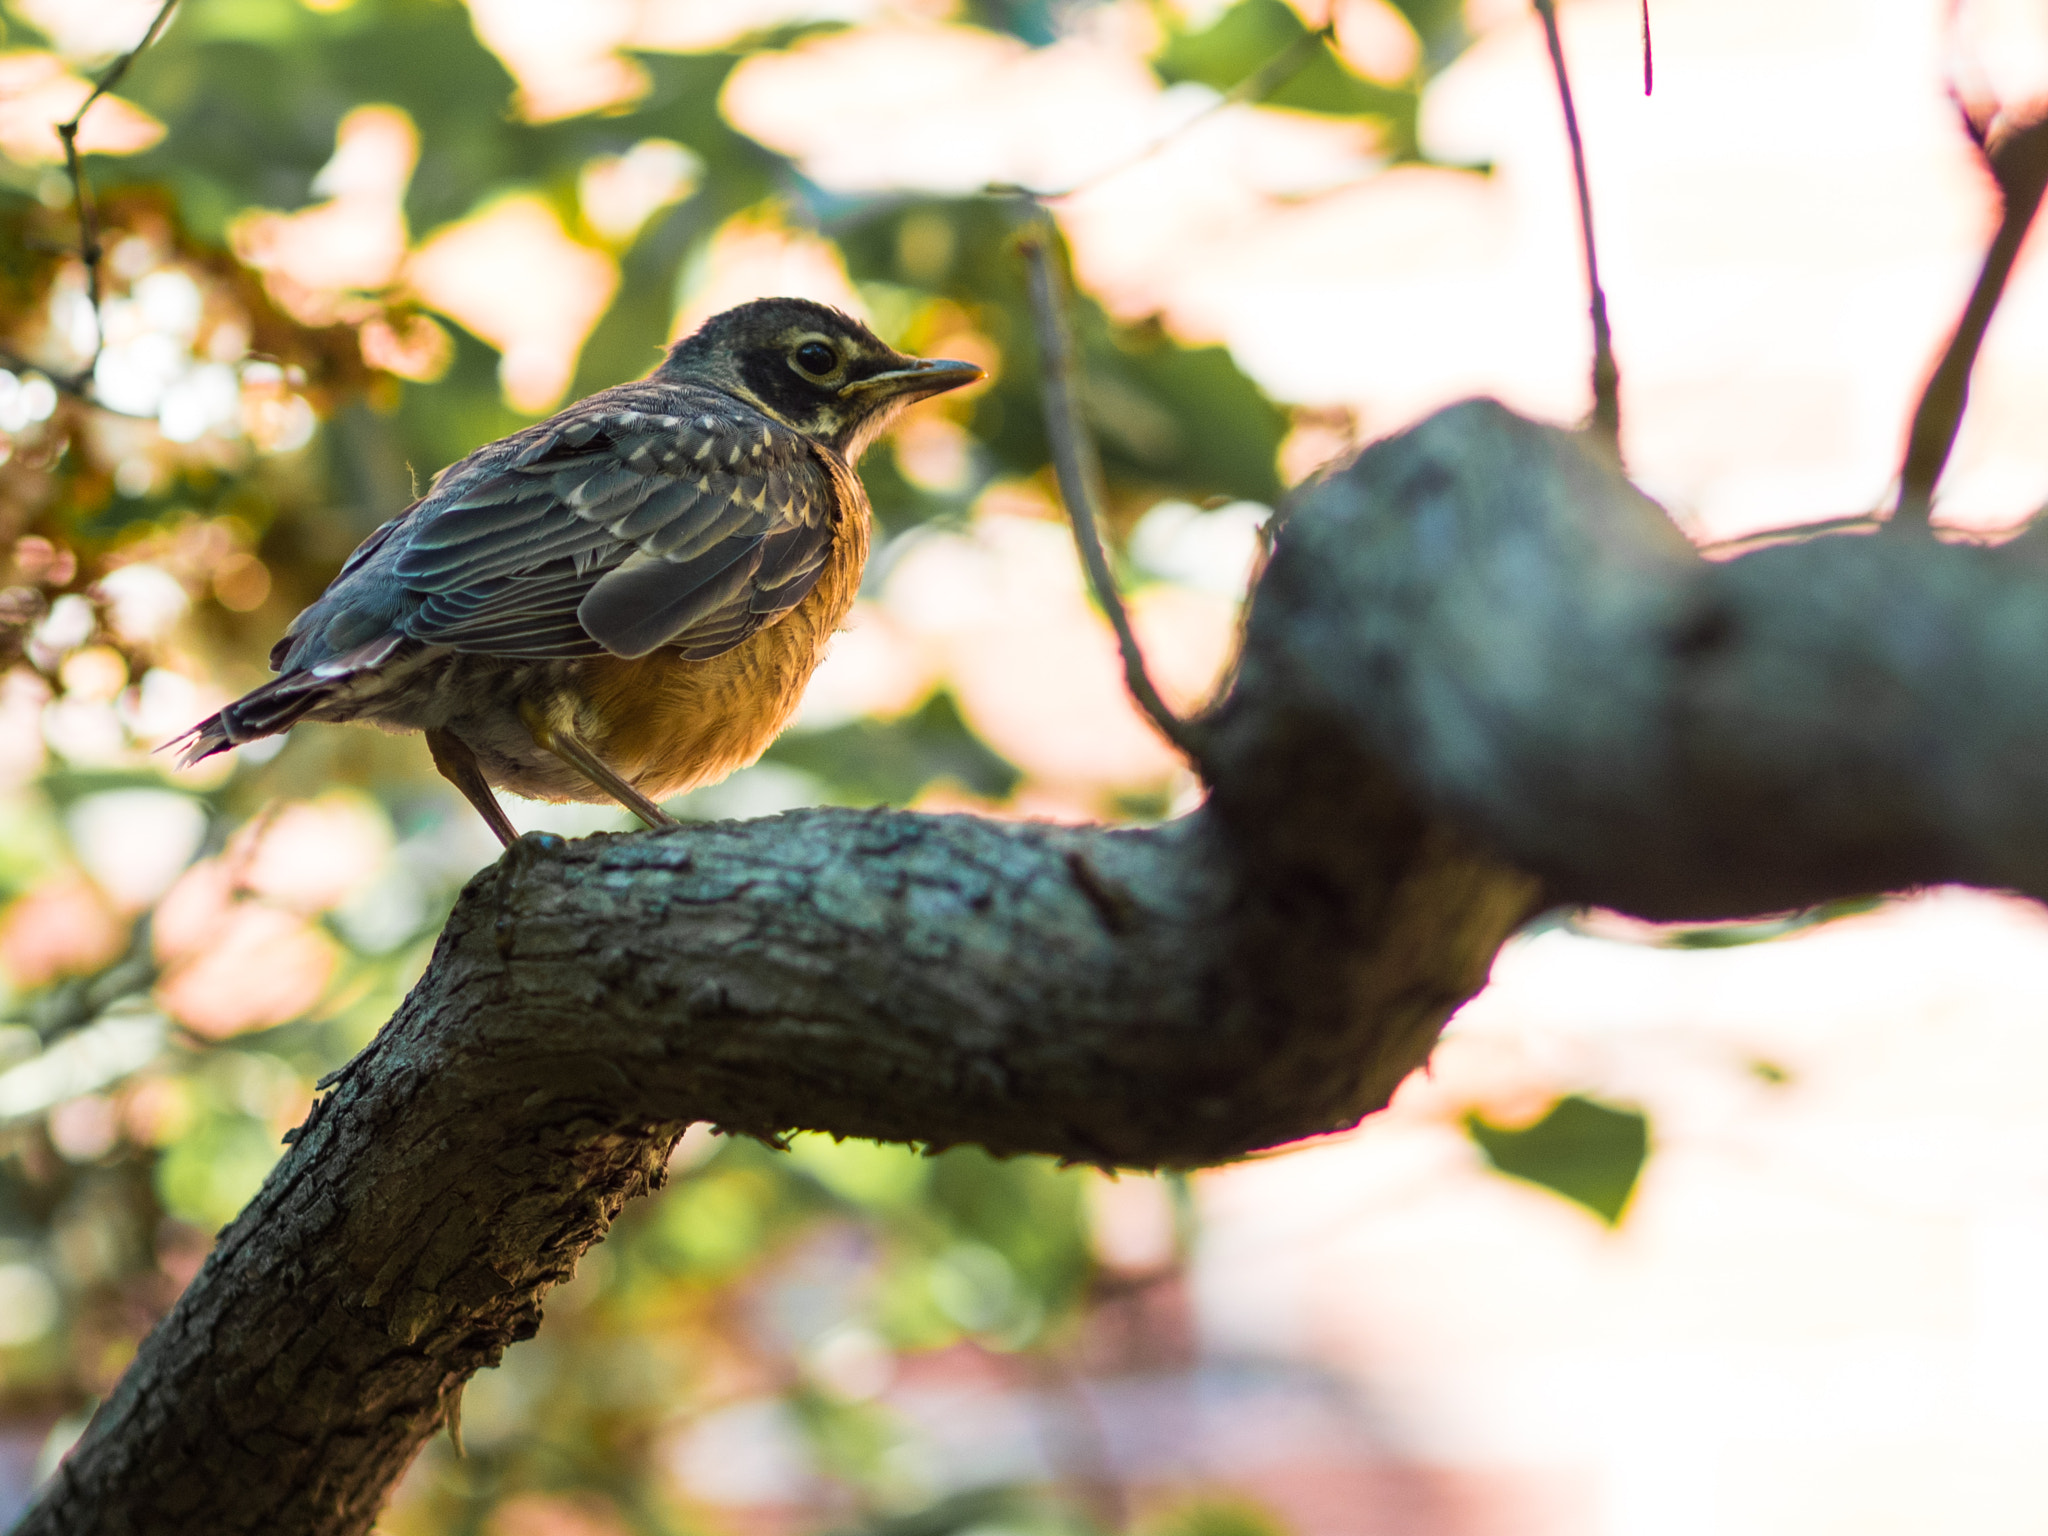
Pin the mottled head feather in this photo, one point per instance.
(757, 350)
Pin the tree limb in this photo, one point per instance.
(1481, 672)
(2018, 161)
(1545, 661)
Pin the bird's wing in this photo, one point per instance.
(311, 618)
(644, 517)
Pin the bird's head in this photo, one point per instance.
(812, 368)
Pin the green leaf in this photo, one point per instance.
(888, 762)
(1215, 1516)
(1031, 20)
(1589, 1152)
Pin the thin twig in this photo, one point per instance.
(1080, 480)
(1976, 127)
(1649, 66)
(1256, 86)
(77, 386)
(89, 250)
(1606, 419)
(2018, 160)
(63, 383)
(1968, 91)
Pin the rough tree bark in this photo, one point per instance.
(1482, 674)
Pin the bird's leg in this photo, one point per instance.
(459, 767)
(570, 749)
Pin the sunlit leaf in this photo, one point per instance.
(1590, 1153)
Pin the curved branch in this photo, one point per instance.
(1481, 671)
(882, 974)
(1544, 661)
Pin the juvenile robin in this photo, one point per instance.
(622, 601)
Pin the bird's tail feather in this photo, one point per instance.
(281, 703)
(264, 712)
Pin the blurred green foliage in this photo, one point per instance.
(1168, 418)
(887, 762)
(785, 1282)
(1213, 1517)
(1267, 29)
(1590, 1153)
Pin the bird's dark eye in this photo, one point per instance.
(817, 359)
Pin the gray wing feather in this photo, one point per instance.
(610, 529)
(648, 602)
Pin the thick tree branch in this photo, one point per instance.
(1481, 672)
(1544, 661)
(883, 974)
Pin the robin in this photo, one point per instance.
(624, 600)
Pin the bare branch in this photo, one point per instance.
(77, 386)
(1976, 125)
(1108, 997)
(2018, 160)
(1080, 480)
(89, 250)
(1606, 418)
(1649, 65)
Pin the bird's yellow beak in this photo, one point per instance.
(927, 376)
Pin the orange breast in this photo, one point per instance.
(669, 725)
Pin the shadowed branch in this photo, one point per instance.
(1080, 481)
(2018, 160)
(1606, 418)
(90, 251)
